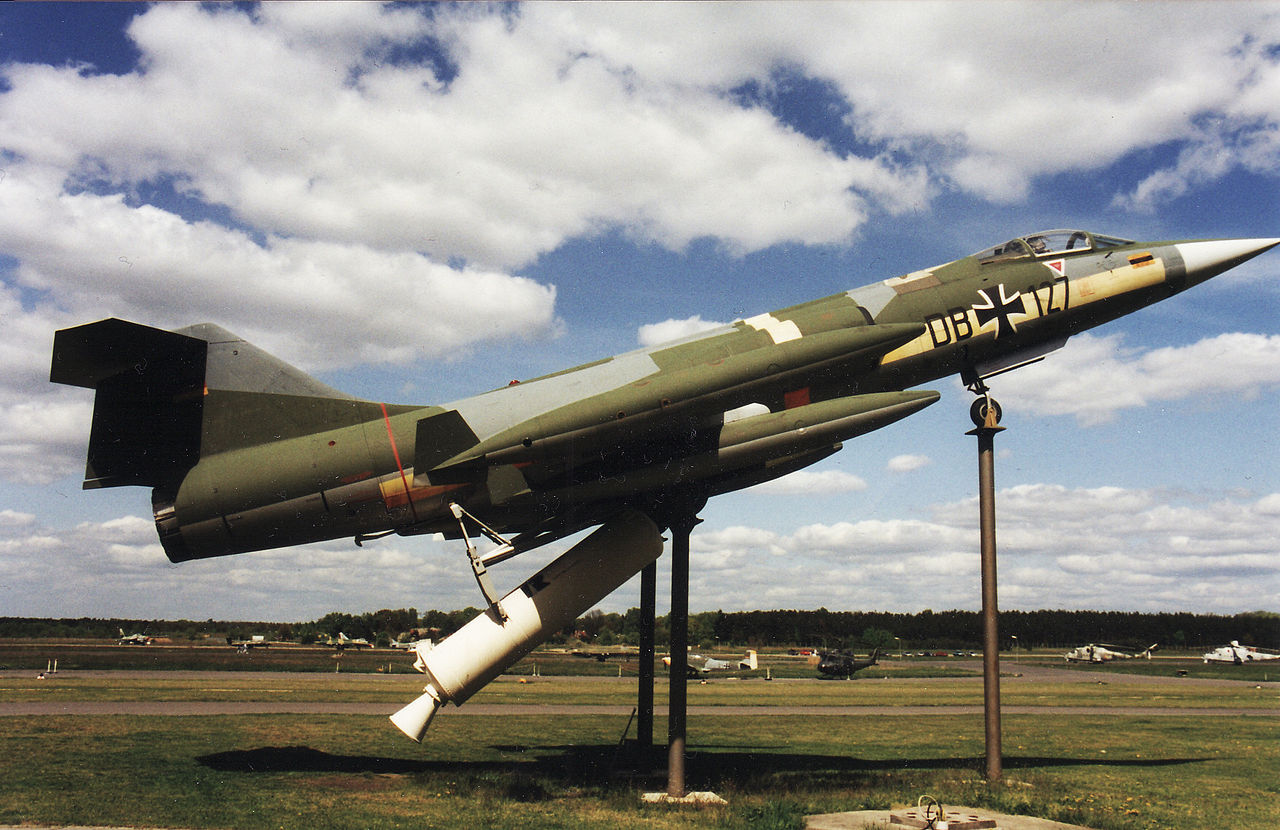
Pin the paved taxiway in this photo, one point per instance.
(1014, 674)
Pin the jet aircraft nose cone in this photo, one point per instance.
(1211, 257)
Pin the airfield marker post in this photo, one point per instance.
(986, 417)
(644, 702)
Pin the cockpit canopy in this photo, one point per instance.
(1049, 243)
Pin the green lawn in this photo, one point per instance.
(1107, 772)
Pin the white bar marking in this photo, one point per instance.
(780, 330)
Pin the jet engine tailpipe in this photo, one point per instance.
(464, 662)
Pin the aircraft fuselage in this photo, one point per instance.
(551, 455)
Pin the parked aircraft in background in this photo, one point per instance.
(1093, 653)
(421, 650)
(844, 663)
(256, 641)
(1236, 653)
(342, 641)
(412, 645)
(601, 655)
(243, 452)
(133, 639)
(697, 664)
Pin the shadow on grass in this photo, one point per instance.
(577, 765)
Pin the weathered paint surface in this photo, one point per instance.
(283, 459)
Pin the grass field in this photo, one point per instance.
(296, 771)
(1106, 771)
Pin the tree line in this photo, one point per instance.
(1025, 629)
(711, 629)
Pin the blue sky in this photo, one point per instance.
(418, 203)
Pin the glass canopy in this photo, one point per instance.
(1049, 243)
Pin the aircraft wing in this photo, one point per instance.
(642, 398)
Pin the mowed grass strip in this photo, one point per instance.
(866, 690)
(1109, 773)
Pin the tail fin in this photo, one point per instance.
(165, 398)
(749, 662)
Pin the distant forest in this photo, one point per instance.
(718, 629)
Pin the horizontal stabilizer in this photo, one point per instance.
(89, 354)
(166, 399)
(149, 403)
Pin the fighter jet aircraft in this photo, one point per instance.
(606, 653)
(343, 642)
(697, 664)
(243, 452)
(1095, 653)
(412, 645)
(1238, 654)
(132, 639)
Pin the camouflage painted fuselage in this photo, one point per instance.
(267, 457)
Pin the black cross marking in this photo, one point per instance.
(991, 310)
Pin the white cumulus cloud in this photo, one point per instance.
(1094, 377)
(907, 463)
(808, 482)
(1104, 547)
(653, 334)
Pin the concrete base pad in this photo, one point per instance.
(699, 799)
(880, 820)
(920, 818)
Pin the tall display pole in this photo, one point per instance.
(985, 414)
(678, 675)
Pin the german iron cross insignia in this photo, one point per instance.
(990, 310)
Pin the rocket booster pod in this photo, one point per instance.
(460, 665)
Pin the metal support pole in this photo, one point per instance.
(678, 675)
(987, 417)
(644, 701)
